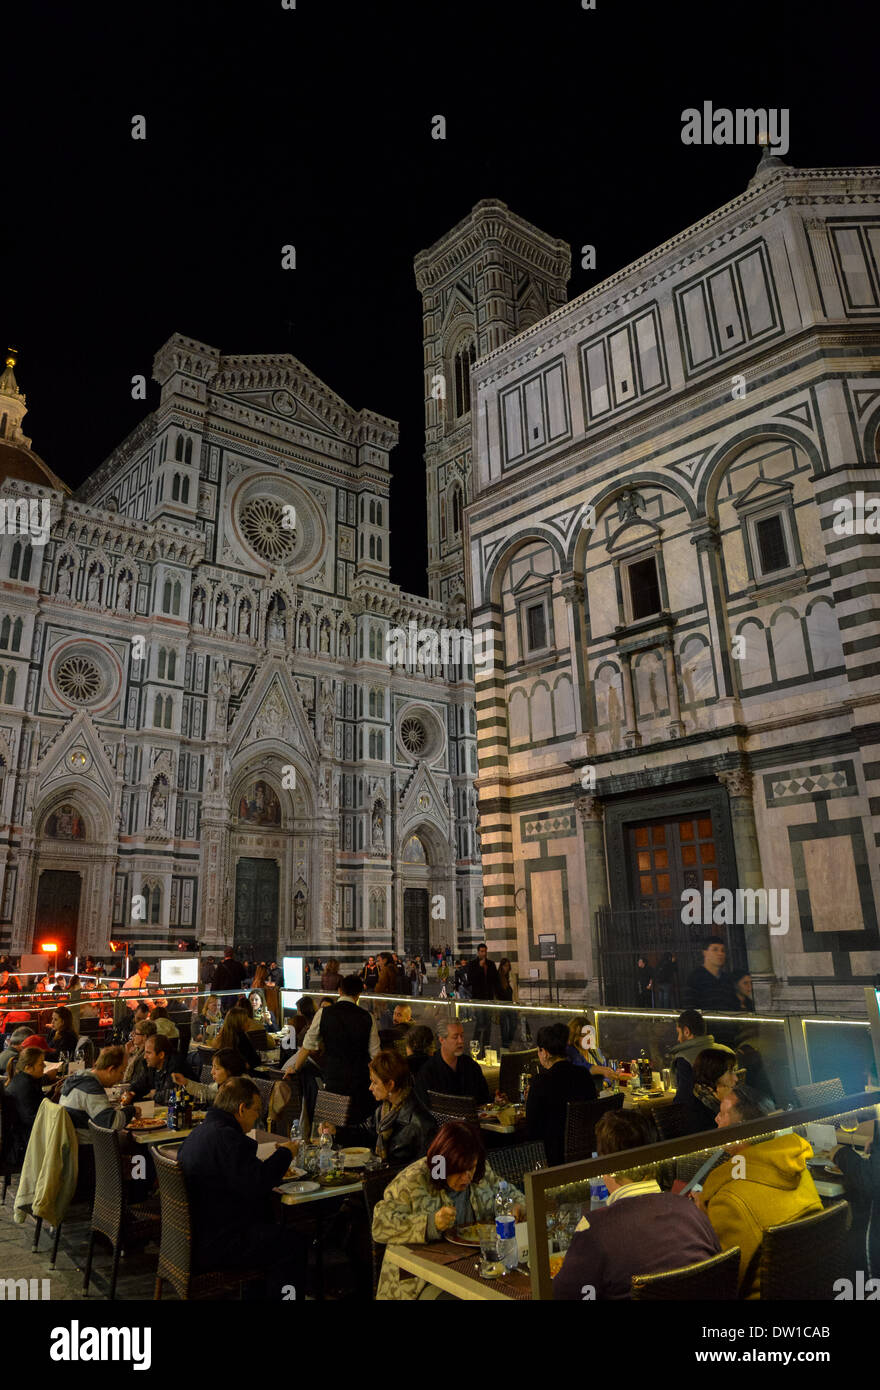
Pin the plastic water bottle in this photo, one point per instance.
(505, 1226)
(325, 1154)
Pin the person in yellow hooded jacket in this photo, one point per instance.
(774, 1187)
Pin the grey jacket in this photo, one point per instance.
(85, 1099)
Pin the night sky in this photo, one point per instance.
(313, 127)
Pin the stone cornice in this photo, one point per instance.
(115, 462)
(786, 188)
(491, 221)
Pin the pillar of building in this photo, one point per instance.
(738, 782)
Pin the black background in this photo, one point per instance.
(313, 127)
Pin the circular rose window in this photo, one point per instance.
(79, 680)
(412, 735)
(269, 527)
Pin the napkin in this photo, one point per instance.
(265, 1151)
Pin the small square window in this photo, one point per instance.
(644, 588)
(772, 548)
(536, 627)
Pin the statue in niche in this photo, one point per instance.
(93, 593)
(199, 608)
(305, 632)
(378, 836)
(327, 711)
(275, 627)
(299, 913)
(244, 623)
(158, 806)
(123, 593)
(344, 642)
(325, 636)
(63, 583)
(222, 613)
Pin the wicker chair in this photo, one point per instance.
(820, 1092)
(206, 1075)
(444, 1107)
(581, 1119)
(175, 1253)
(513, 1161)
(671, 1121)
(331, 1108)
(375, 1184)
(285, 1104)
(112, 1217)
(802, 1259)
(9, 1166)
(513, 1064)
(265, 1089)
(712, 1279)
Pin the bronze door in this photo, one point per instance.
(256, 909)
(57, 918)
(667, 857)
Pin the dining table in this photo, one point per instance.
(456, 1270)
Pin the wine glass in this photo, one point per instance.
(296, 1131)
(475, 1048)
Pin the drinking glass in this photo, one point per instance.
(489, 1255)
(475, 1049)
(296, 1131)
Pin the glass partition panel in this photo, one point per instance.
(840, 1048)
(560, 1200)
(761, 1044)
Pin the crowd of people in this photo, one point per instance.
(389, 1067)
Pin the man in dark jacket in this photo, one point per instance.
(641, 1230)
(229, 1192)
(482, 978)
(558, 1082)
(160, 1062)
(349, 1038)
(450, 1071)
(228, 976)
(709, 987)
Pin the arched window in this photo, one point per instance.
(378, 513)
(372, 744)
(362, 544)
(172, 665)
(464, 359)
(5, 629)
(380, 746)
(16, 634)
(188, 454)
(175, 488)
(10, 687)
(361, 637)
(378, 547)
(161, 667)
(20, 565)
(456, 510)
(152, 893)
(372, 513)
(169, 711)
(157, 712)
(184, 490)
(166, 597)
(178, 448)
(372, 547)
(175, 598)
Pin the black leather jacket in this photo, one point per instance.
(410, 1134)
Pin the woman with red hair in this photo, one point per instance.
(451, 1186)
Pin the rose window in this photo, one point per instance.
(79, 679)
(412, 735)
(269, 527)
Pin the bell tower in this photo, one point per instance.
(485, 281)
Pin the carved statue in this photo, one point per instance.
(325, 636)
(276, 625)
(299, 913)
(222, 613)
(63, 583)
(93, 594)
(305, 632)
(379, 827)
(199, 608)
(158, 807)
(628, 504)
(244, 625)
(344, 641)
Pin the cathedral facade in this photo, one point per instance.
(209, 728)
(671, 554)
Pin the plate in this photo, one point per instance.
(295, 1173)
(299, 1189)
(464, 1235)
(356, 1152)
(356, 1159)
(833, 1170)
(334, 1180)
